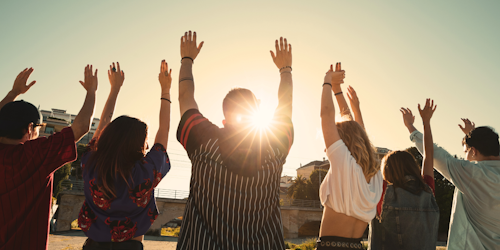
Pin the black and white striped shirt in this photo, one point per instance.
(234, 191)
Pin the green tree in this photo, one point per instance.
(298, 189)
(314, 182)
(77, 169)
(59, 176)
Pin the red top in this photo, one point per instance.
(26, 173)
(428, 180)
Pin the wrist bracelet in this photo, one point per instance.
(328, 84)
(339, 93)
(163, 98)
(285, 68)
(188, 58)
(186, 79)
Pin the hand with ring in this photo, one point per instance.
(116, 78)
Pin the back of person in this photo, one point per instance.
(478, 204)
(234, 191)
(408, 220)
(26, 175)
(132, 212)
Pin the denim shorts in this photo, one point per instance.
(339, 243)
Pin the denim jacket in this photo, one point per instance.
(408, 221)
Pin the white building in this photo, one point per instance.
(57, 119)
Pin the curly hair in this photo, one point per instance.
(357, 141)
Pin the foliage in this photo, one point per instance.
(298, 189)
(307, 189)
(444, 193)
(59, 176)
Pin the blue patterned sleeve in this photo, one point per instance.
(157, 162)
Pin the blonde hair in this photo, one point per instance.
(357, 141)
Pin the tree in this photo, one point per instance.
(59, 176)
(306, 189)
(77, 168)
(298, 189)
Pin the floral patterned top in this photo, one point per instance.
(133, 211)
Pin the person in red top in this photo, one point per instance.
(407, 214)
(27, 163)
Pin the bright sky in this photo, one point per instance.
(395, 53)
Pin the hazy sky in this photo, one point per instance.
(395, 53)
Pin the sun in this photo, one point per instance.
(262, 117)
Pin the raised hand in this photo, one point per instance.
(335, 77)
(115, 75)
(283, 56)
(20, 86)
(165, 76)
(428, 110)
(189, 47)
(90, 82)
(408, 117)
(468, 126)
(353, 97)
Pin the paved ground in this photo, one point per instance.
(73, 240)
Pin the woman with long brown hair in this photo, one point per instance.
(407, 214)
(353, 184)
(119, 177)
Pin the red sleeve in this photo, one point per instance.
(194, 129)
(379, 205)
(430, 181)
(54, 151)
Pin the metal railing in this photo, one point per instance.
(181, 194)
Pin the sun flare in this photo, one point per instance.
(262, 117)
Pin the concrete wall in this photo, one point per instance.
(293, 217)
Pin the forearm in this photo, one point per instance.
(343, 108)
(83, 120)
(428, 150)
(357, 115)
(10, 97)
(330, 133)
(164, 127)
(285, 94)
(186, 87)
(107, 112)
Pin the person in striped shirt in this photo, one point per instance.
(234, 190)
(28, 163)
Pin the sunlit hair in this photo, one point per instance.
(358, 143)
(396, 165)
(119, 146)
(239, 101)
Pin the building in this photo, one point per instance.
(306, 170)
(57, 119)
(285, 182)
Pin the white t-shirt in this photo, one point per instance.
(345, 189)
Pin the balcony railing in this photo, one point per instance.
(181, 195)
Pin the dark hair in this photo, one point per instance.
(238, 98)
(396, 165)
(14, 133)
(484, 139)
(119, 146)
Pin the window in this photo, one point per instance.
(49, 130)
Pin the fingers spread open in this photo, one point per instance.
(118, 66)
(31, 84)
(194, 37)
(201, 45)
(272, 55)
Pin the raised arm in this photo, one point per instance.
(116, 78)
(339, 95)
(19, 87)
(468, 126)
(165, 78)
(356, 110)
(408, 119)
(83, 120)
(189, 52)
(426, 114)
(330, 132)
(283, 60)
